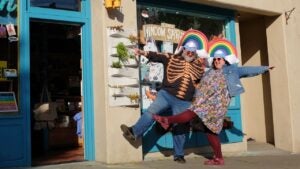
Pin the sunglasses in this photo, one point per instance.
(218, 59)
(190, 53)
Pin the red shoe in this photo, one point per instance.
(163, 121)
(215, 161)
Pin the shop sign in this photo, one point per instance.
(162, 32)
(6, 8)
(8, 102)
(10, 5)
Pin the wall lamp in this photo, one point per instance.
(112, 3)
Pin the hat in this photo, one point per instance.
(190, 46)
(194, 41)
(222, 48)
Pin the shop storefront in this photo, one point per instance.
(45, 80)
(160, 24)
(65, 85)
(47, 77)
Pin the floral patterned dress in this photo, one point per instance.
(211, 100)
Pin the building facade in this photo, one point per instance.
(61, 54)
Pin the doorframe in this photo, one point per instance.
(27, 13)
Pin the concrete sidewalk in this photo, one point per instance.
(259, 156)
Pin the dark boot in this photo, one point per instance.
(127, 132)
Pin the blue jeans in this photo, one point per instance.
(163, 101)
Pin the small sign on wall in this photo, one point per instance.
(162, 32)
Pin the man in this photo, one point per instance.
(182, 71)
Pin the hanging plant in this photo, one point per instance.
(122, 52)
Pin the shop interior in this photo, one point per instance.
(8, 68)
(56, 98)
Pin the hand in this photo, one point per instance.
(271, 67)
(138, 52)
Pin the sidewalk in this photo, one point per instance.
(259, 156)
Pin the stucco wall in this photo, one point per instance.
(292, 31)
(256, 100)
(110, 145)
(282, 42)
(277, 49)
(99, 77)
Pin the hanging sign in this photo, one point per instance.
(162, 32)
(11, 30)
(8, 102)
(8, 10)
(9, 4)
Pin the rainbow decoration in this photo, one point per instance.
(196, 36)
(222, 44)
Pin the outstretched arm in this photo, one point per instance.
(152, 56)
(250, 71)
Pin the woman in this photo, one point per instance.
(212, 99)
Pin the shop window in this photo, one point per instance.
(9, 50)
(211, 27)
(160, 30)
(71, 5)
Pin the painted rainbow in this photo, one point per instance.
(194, 35)
(222, 44)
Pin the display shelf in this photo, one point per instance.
(118, 34)
(124, 101)
(124, 72)
(123, 81)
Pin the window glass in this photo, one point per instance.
(9, 76)
(71, 5)
(160, 30)
(182, 20)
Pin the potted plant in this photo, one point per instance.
(116, 65)
(122, 52)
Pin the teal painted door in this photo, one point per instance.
(199, 17)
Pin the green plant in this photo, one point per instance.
(122, 52)
(131, 56)
(116, 64)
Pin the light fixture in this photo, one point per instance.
(112, 4)
(117, 4)
(145, 13)
(108, 3)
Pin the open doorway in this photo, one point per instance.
(56, 99)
